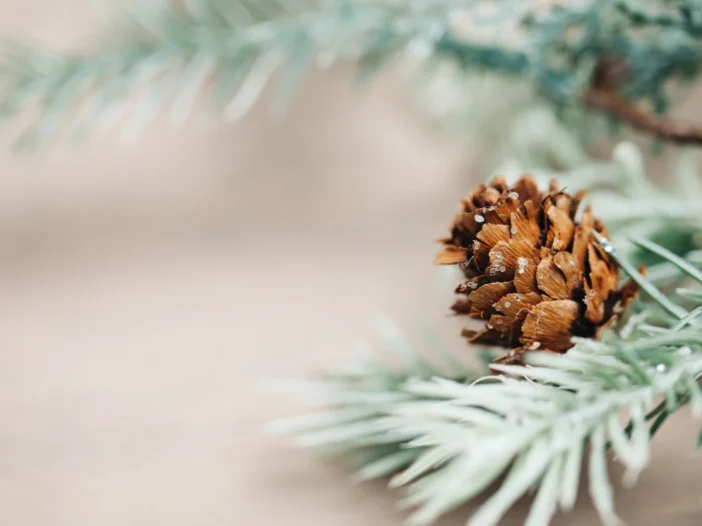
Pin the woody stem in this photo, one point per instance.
(614, 104)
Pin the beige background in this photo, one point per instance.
(146, 288)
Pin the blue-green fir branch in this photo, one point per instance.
(232, 50)
(536, 428)
(450, 437)
(364, 391)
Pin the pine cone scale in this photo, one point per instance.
(560, 233)
(452, 255)
(551, 281)
(484, 298)
(549, 325)
(524, 224)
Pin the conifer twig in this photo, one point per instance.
(624, 110)
(232, 49)
(452, 439)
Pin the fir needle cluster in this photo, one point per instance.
(606, 56)
(447, 439)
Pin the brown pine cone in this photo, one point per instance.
(536, 276)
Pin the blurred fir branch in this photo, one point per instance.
(231, 49)
(602, 54)
(452, 439)
(365, 391)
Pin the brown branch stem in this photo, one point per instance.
(614, 104)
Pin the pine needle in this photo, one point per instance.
(646, 286)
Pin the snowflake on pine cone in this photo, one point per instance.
(536, 276)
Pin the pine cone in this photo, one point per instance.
(536, 276)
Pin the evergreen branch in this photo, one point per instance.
(536, 427)
(452, 437)
(449, 440)
(232, 49)
(363, 393)
(229, 49)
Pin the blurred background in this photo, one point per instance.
(148, 287)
